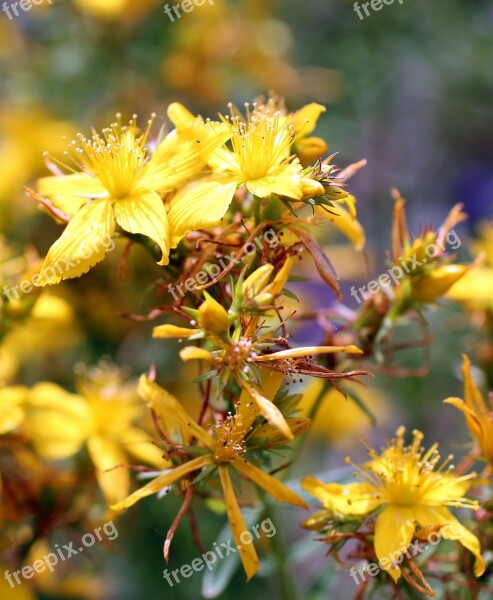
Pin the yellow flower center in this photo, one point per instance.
(116, 158)
(230, 439)
(410, 476)
(239, 353)
(261, 143)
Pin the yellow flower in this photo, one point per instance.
(347, 224)
(303, 122)
(12, 408)
(40, 330)
(475, 289)
(259, 158)
(479, 416)
(115, 9)
(241, 352)
(118, 183)
(100, 417)
(256, 288)
(339, 418)
(226, 451)
(412, 490)
(20, 160)
(8, 366)
(437, 283)
(260, 155)
(426, 260)
(18, 592)
(235, 356)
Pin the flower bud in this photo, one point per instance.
(262, 299)
(309, 149)
(212, 316)
(280, 280)
(437, 283)
(311, 188)
(256, 282)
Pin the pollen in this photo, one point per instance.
(261, 142)
(116, 157)
(409, 475)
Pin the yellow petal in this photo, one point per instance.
(308, 351)
(256, 282)
(213, 317)
(106, 454)
(452, 530)
(171, 411)
(163, 481)
(473, 397)
(474, 424)
(475, 288)
(84, 243)
(173, 331)
(193, 353)
(281, 278)
(394, 531)
(140, 446)
(349, 499)
(311, 188)
(285, 182)
(69, 192)
(12, 400)
(268, 410)
(247, 408)
(184, 151)
(268, 436)
(198, 206)
(346, 224)
(222, 160)
(247, 551)
(57, 423)
(438, 282)
(305, 120)
(14, 591)
(272, 486)
(180, 116)
(310, 149)
(145, 214)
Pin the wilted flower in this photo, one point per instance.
(225, 449)
(477, 412)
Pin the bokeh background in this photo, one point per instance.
(408, 88)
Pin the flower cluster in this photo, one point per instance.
(191, 195)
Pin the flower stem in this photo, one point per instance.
(287, 585)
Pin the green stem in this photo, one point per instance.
(299, 443)
(318, 401)
(287, 585)
(148, 244)
(256, 210)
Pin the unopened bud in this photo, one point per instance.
(212, 316)
(438, 282)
